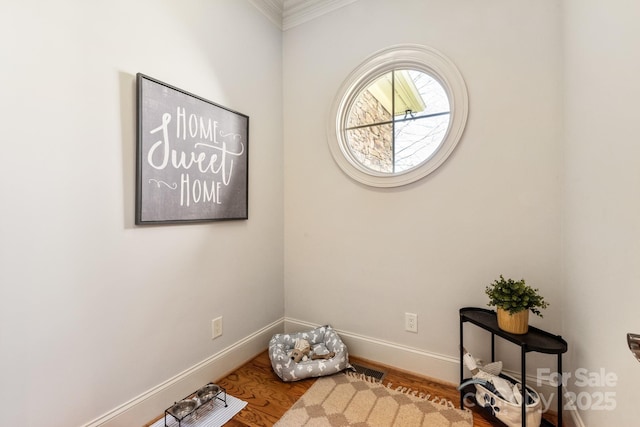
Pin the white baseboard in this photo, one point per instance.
(153, 402)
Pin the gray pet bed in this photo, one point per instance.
(322, 341)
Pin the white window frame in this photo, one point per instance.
(407, 56)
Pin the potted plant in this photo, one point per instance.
(513, 300)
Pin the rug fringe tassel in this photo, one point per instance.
(363, 377)
(404, 390)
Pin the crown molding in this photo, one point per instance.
(296, 12)
(272, 9)
(286, 14)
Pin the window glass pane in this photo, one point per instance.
(372, 147)
(431, 92)
(420, 124)
(417, 140)
(408, 100)
(373, 104)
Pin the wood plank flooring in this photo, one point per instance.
(269, 398)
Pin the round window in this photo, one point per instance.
(398, 116)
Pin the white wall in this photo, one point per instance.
(601, 220)
(360, 258)
(96, 311)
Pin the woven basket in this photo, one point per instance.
(517, 323)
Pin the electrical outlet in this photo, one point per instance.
(411, 322)
(216, 327)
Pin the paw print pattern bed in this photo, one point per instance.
(323, 340)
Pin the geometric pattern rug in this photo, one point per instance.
(356, 400)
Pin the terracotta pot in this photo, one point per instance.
(517, 323)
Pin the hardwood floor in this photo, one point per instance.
(269, 398)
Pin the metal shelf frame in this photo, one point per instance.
(535, 340)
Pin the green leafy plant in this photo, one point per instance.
(514, 296)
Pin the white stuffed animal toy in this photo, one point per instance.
(302, 352)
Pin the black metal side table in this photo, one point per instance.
(535, 340)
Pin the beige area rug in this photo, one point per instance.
(355, 400)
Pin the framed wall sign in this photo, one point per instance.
(192, 157)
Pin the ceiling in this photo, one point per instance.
(287, 14)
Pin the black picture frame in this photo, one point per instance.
(192, 157)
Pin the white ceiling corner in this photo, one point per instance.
(287, 14)
(272, 9)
